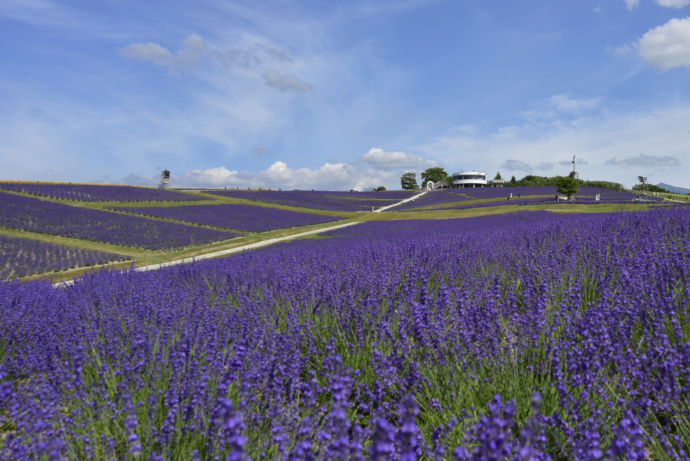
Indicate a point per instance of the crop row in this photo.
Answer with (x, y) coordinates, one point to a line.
(233, 216)
(20, 257)
(96, 193)
(436, 197)
(519, 195)
(529, 335)
(312, 200)
(36, 215)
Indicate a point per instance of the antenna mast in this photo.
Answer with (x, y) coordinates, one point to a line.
(165, 179)
(573, 174)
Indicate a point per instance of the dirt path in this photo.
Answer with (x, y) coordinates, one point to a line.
(216, 254)
(400, 202)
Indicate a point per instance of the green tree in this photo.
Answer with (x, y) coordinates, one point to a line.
(379, 189)
(409, 181)
(649, 188)
(566, 185)
(434, 174)
(512, 181)
(604, 185)
(498, 176)
(532, 180)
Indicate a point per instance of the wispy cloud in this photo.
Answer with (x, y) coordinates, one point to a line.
(285, 82)
(253, 56)
(383, 160)
(594, 139)
(673, 3)
(560, 104)
(516, 165)
(644, 160)
(632, 4)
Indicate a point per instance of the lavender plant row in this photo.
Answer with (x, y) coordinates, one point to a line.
(445, 196)
(516, 201)
(234, 216)
(498, 192)
(380, 195)
(36, 215)
(306, 199)
(20, 257)
(96, 193)
(433, 198)
(533, 200)
(530, 335)
(583, 192)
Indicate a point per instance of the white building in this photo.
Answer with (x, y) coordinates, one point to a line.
(469, 179)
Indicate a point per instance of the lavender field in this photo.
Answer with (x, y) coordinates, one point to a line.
(440, 199)
(528, 335)
(96, 193)
(36, 215)
(20, 257)
(436, 197)
(234, 216)
(343, 201)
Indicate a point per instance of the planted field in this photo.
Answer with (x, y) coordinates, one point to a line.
(36, 215)
(20, 257)
(95, 193)
(503, 192)
(312, 200)
(526, 336)
(436, 197)
(440, 199)
(233, 216)
(380, 195)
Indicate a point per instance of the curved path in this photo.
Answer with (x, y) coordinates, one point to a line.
(216, 254)
(250, 246)
(399, 203)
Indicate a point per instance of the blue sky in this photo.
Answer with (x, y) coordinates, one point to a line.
(342, 94)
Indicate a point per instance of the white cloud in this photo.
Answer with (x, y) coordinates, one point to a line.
(187, 57)
(285, 82)
(673, 3)
(380, 159)
(632, 4)
(330, 176)
(219, 176)
(545, 166)
(667, 46)
(192, 47)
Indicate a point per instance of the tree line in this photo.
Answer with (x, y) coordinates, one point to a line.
(409, 180)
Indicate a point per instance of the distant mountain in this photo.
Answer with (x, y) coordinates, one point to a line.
(674, 189)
